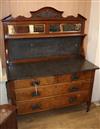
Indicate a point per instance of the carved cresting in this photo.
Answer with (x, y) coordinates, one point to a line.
(46, 12)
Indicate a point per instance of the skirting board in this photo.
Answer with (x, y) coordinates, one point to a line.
(97, 103)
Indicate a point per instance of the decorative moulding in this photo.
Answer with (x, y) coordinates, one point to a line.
(46, 13)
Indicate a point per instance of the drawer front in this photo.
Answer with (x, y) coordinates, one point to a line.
(35, 81)
(75, 77)
(37, 105)
(45, 91)
(42, 81)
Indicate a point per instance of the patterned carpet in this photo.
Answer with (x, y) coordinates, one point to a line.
(62, 119)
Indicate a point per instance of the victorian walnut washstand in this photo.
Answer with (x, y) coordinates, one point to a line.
(46, 65)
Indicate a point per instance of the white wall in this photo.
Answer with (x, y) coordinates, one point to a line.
(93, 48)
(3, 79)
(3, 93)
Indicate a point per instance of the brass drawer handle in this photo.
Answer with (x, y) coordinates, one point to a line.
(36, 106)
(35, 83)
(75, 77)
(35, 94)
(73, 89)
(72, 99)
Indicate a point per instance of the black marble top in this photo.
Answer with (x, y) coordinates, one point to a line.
(48, 68)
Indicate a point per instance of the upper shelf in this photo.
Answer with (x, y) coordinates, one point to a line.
(16, 36)
(45, 22)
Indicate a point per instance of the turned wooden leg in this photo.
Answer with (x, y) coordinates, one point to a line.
(88, 106)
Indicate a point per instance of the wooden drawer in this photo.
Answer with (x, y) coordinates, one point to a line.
(38, 81)
(42, 81)
(51, 90)
(75, 76)
(37, 105)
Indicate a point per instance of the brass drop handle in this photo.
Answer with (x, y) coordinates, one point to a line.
(75, 77)
(72, 99)
(36, 82)
(73, 89)
(36, 106)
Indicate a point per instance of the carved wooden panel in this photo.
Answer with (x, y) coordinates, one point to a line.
(45, 13)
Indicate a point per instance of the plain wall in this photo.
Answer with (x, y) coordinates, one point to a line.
(93, 46)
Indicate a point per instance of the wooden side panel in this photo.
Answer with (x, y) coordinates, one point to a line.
(90, 91)
(11, 92)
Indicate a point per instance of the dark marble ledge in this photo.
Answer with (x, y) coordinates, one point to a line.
(49, 68)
